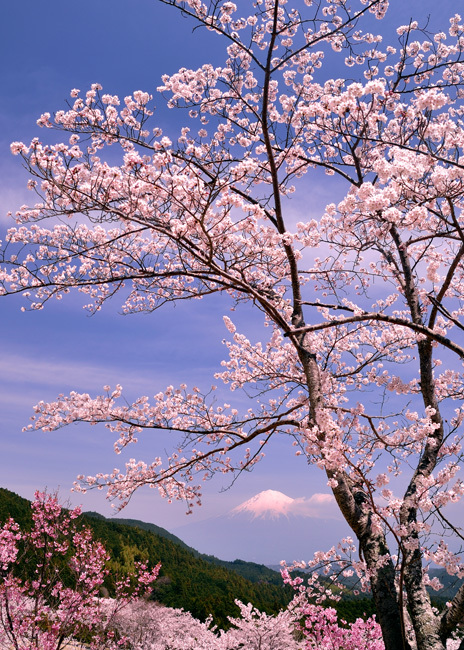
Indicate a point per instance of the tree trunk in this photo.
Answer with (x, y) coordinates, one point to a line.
(452, 617)
(424, 621)
(387, 605)
(354, 505)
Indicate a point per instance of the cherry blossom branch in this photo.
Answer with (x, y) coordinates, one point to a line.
(375, 316)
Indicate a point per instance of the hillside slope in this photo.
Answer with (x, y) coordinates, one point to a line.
(249, 570)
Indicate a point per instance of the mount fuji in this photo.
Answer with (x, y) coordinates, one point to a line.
(269, 504)
(269, 527)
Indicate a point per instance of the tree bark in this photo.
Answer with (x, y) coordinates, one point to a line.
(354, 505)
(424, 621)
(387, 605)
(452, 616)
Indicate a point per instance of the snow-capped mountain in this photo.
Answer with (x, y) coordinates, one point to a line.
(269, 527)
(269, 504)
(272, 504)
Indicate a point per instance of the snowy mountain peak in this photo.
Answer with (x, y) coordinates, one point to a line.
(269, 504)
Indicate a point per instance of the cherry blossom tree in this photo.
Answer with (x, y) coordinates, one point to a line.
(258, 631)
(51, 579)
(151, 626)
(360, 364)
(323, 630)
(320, 624)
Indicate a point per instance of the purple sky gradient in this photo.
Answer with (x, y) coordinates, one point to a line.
(47, 49)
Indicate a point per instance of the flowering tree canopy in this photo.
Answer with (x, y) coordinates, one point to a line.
(51, 580)
(360, 364)
(150, 626)
(258, 631)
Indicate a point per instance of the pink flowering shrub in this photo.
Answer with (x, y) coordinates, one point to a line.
(320, 625)
(51, 580)
(323, 630)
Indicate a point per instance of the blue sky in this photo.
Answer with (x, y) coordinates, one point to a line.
(47, 49)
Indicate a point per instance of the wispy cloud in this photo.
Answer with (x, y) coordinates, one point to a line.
(319, 505)
(26, 370)
(63, 374)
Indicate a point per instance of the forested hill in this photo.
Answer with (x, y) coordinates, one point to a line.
(249, 570)
(200, 585)
(144, 525)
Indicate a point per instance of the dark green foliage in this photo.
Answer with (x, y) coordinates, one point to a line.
(351, 609)
(14, 506)
(249, 570)
(190, 582)
(153, 528)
